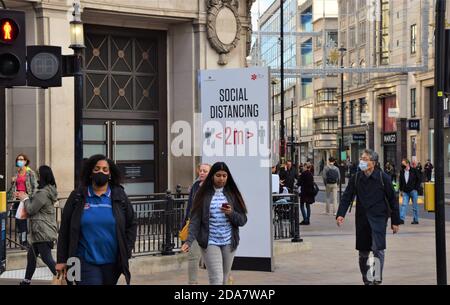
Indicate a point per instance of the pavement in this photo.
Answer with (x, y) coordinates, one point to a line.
(331, 260)
(410, 258)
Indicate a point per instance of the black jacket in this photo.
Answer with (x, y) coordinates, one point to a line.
(414, 181)
(371, 207)
(126, 225)
(199, 225)
(306, 182)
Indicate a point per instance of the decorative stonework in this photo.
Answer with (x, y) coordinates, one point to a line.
(249, 29)
(223, 26)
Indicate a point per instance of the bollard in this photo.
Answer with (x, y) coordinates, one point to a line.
(296, 209)
(429, 201)
(2, 202)
(168, 245)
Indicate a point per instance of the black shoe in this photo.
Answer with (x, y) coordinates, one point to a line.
(402, 222)
(304, 223)
(25, 283)
(377, 282)
(415, 222)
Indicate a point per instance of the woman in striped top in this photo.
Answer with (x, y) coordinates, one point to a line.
(218, 212)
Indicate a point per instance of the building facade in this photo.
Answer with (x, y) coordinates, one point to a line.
(140, 77)
(325, 27)
(388, 111)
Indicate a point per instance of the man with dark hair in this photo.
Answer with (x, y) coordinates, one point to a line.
(331, 177)
(375, 203)
(410, 182)
(291, 174)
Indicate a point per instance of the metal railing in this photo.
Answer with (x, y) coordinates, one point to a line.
(160, 216)
(286, 216)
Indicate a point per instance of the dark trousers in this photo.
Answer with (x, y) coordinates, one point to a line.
(305, 213)
(372, 273)
(91, 274)
(44, 249)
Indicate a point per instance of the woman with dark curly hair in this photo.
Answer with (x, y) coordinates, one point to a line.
(98, 225)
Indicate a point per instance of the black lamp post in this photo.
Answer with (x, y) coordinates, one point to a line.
(273, 82)
(77, 45)
(341, 142)
(292, 130)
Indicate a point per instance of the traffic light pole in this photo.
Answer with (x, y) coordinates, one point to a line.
(441, 264)
(78, 88)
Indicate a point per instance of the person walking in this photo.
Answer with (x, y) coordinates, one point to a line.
(218, 212)
(24, 181)
(321, 166)
(98, 225)
(410, 183)
(307, 197)
(331, 177)
(194, 254)
(375, 203)
(428, 171)
(41, 213)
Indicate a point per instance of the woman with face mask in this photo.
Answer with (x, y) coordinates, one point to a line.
(98, 226)
(43, 228)
(23, 183)
(218, 212)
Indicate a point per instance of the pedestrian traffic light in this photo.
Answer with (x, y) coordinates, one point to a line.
(44, 66)
(12, 48)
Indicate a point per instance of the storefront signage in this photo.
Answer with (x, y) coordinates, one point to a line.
(390, 138)
(414, 124)
(359, 137)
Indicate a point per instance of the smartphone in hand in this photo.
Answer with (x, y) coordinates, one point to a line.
(226, 205)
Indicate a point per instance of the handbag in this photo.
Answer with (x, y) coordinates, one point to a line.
(59, 280)
(21, 213)
(184, 233)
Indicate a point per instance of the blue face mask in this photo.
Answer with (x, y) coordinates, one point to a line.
(363, 165)
(20, 163)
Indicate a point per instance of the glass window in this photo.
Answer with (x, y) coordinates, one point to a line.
(326, 96)
(351, 34)
(352, 112)
(362, 106)
(385, 22)
(413, 39)
(362, 32)
(413, 103)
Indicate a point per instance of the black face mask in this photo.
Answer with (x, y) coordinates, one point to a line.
(100, 179)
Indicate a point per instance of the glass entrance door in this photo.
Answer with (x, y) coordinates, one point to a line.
(131, 145)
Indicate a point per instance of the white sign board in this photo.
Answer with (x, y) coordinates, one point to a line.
(236, 130)
(393, 112)
(365, 117)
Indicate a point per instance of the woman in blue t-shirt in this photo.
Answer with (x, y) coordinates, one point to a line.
(218, 212)
(98, 226)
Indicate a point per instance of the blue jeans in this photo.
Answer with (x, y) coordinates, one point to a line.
(404, 208)
(98, 274)
(306, 214)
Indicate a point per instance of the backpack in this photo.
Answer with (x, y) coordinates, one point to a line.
(332, 176)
